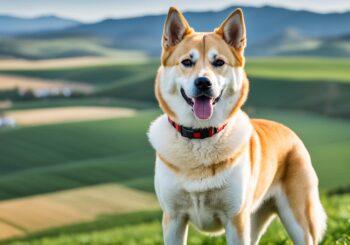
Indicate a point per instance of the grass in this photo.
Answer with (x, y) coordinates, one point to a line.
(48, 158)
(49, 48)
(121, 229)
(97, 75)
(284, 68)
(300, 69)
(45, 211)
(80, 101)
(43, 159)
(309, 84)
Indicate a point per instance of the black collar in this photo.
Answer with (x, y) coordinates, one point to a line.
(192, 133)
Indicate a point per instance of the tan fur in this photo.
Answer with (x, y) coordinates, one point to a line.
(163, 105)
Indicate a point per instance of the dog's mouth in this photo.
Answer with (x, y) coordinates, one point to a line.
(202, 105)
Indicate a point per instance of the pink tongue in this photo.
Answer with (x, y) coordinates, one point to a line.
(203, 107)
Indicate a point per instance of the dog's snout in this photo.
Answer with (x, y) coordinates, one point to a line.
(202, 83)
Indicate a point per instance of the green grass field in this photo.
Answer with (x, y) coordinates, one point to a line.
(309, 84)
(311, 96)
(50, 48)
(300, 69)
(121, 229)
(54, 157)
(296, 69)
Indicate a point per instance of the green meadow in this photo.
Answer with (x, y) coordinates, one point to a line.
(311, 96)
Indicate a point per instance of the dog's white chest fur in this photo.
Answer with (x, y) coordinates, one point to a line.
(207, 202)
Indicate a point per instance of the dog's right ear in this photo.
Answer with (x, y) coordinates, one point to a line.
(175, 28)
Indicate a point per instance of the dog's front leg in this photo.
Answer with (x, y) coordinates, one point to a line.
(174, 229)
(238, 230)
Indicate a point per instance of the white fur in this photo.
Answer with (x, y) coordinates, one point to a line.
(171, 82)
(195, 55)
(187, 153)
(188, 196)
(212, 53)
(286, 214)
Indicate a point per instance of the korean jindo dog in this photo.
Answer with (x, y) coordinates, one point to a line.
(216, 167)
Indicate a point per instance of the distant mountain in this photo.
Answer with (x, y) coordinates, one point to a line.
(270, 31)
(10, 25)
(263, 24)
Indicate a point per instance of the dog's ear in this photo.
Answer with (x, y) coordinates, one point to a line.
(232, 30)
(175, 28)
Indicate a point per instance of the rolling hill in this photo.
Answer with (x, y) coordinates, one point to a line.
(309, 84)
(44, 159)
(144, 33)
(293, 33)
(25, 215)
(11, 25)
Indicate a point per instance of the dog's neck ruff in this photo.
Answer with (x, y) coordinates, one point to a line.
(193, 133)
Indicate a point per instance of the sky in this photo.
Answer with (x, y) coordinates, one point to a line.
(95, 10)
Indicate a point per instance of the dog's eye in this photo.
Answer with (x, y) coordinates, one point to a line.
(218, 63)
(187, 63)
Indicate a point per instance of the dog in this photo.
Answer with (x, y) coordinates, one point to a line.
(215, 167)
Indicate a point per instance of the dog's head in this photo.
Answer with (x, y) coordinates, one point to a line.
(201, 81)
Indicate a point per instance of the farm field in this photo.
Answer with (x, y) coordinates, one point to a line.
(24, 83)
(57, 154)
(39, 212)
(277, 83)
(291, 68)
(66, 114)
(64, 47)
(65, 155)
(300, 69)
(121, 229)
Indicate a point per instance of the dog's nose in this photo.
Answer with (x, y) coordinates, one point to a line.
(202, 83)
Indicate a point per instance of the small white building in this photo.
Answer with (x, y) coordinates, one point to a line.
(7, 122)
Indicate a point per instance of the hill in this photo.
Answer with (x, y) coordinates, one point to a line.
(310, 84)
(11, 25)
(48, 158)
(293, 33)
(25, 215)
(144, 33)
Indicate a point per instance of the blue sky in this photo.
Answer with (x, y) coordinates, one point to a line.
(94, 10)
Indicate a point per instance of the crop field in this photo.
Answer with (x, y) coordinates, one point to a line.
(57, 155)
(300, 69)
(72, 206)
(277, 83)
(121, 229)
(66, 114)
(25, 83)
(296, 69)
(43, 162)
(64, 47)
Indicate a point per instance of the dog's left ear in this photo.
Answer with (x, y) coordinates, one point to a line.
(233, 30)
